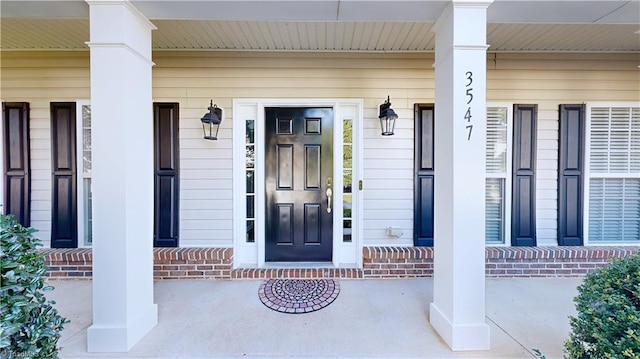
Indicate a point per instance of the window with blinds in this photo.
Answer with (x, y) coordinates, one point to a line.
(496, 180)
(614, 177)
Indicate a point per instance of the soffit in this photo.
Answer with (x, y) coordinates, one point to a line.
(500, 11)
(331, 25)
(71, 34)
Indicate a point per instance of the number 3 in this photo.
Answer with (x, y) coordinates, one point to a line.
(470, 78)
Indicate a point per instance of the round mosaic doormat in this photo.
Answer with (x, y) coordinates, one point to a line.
(296, 296)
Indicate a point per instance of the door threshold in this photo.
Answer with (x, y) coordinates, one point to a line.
(298, 270)
(296, 265)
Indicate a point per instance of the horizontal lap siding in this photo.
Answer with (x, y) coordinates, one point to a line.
(193, 78)
(40, 78)
(549, 80)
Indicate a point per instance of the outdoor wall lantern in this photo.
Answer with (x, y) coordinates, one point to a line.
(211, 122)
(387, 118)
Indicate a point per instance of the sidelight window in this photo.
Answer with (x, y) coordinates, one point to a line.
(250, 170)
(347, 179)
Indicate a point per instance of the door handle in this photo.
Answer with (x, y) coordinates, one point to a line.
(329, 193)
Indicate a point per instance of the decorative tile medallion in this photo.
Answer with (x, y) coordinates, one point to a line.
(296, 296)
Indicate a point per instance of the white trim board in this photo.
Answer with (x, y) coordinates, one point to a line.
(2, 171)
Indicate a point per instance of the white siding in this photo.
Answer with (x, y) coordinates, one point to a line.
(193, 78)
(549, 80)
(41, 78)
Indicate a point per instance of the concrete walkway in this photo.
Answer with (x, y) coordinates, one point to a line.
(369, 319)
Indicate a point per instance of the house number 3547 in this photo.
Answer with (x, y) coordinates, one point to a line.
(467, 115)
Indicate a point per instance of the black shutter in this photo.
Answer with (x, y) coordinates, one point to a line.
(523, 212)
(423, 176)
(166, 168)
(64, 210)
(570, 170)
(17, 167)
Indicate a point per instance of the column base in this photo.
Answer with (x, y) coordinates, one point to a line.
(115, 339)
(460, 336)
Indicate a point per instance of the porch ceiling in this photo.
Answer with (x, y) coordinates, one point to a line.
(332, 25)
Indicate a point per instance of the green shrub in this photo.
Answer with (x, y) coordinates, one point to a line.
(29, 324)
(608, 305)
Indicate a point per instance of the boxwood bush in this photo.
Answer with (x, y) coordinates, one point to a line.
(608, 305)
(29, 324)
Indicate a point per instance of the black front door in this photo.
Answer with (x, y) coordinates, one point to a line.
(299, 184)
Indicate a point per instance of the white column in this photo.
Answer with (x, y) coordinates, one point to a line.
(122, 178)
(458, 309)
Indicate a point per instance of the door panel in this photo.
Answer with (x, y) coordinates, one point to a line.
(284, 157)
(423, 176)
(64, 211)
(312, 167)
(312, 229)
(570, 171)
(166, 173)
(285, 223)
(298, 175)
(523, 219)
(17, 167)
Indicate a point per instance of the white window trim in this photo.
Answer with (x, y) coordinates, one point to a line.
(508, 177)
(252, 255)
(80, 174)
(2, 209)
(587, 171)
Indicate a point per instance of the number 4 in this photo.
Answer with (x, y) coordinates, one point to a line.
(468, 114)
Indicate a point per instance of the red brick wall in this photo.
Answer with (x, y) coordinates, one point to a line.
(394, 262)
(72, 263)
(192, 263)
(550, 261)
(397, 262)
(378, 262)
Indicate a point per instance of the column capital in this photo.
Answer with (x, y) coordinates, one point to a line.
(474, 3)
(133, 31)
(134, 10)
(462, 25)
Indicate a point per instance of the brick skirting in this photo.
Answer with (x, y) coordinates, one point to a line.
(407, 262)
(378, 262)
(397, 262)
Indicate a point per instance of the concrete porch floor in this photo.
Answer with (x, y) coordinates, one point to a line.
(369, 319)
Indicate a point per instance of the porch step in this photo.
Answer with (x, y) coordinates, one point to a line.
(265, 273)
